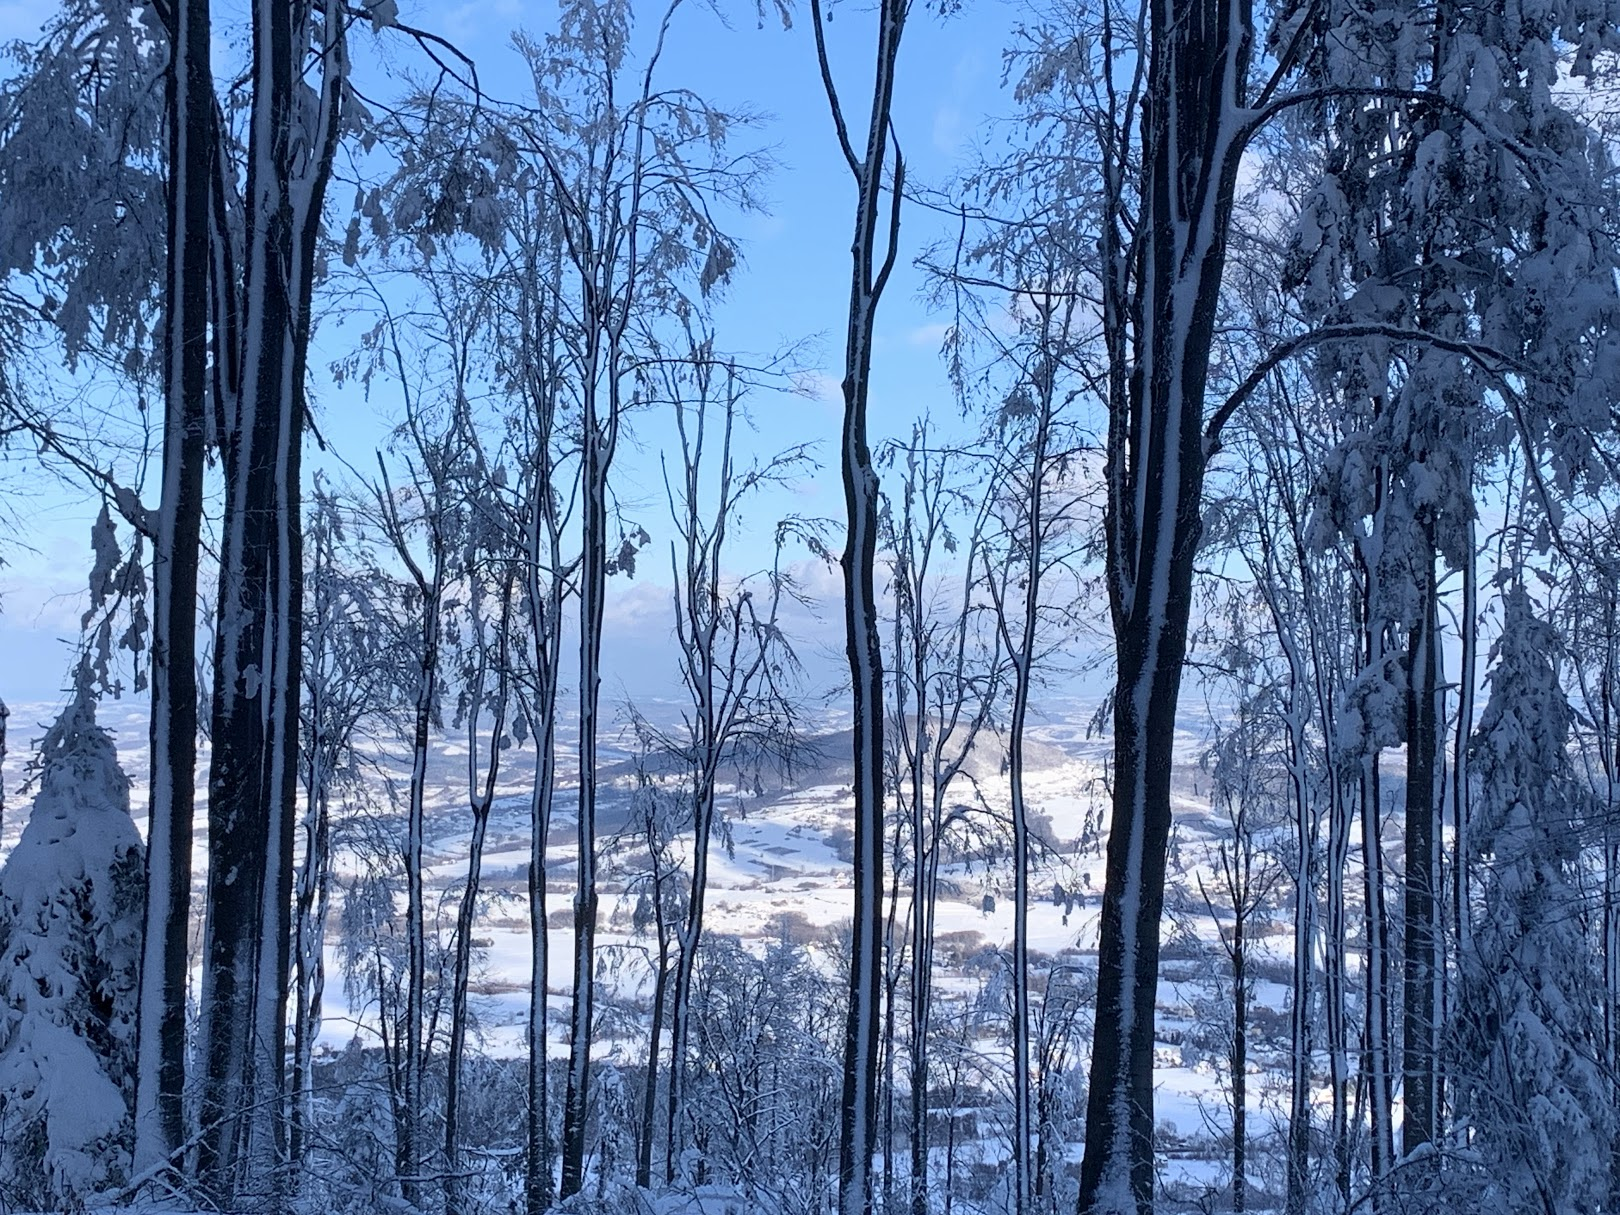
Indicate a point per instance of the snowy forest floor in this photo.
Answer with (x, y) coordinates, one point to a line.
(785, 870)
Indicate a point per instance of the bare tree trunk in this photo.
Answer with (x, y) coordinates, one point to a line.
(548, 650)
(465, 919)
(1468, 639)
(537, 1135)
(410, 1045)
(161, 1019)
(872, 262)
(1240, 1051)
(1299, 1087)
(1420, 1122)
(649, 1094)
(258, 650)
(681, 1004)
(894, 952)
(1376, 1052)
(545, 586)
(1022, 1137)
(597, 456)
(1156, 448)
(309, 985)
(481, 799)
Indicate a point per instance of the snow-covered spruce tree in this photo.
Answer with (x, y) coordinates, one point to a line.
(1588, 616)
(70, 927)
(1529, 1027)
(1430, 117)
(83, 217)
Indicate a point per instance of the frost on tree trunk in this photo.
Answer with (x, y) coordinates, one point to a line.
(70, 925)
(871, 263)
(597, 459)
(1420, 1095)
(544, 588)
(1156, 454)
(161, 1035)
(254, 770)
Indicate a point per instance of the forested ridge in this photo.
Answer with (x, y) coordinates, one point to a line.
(1174, 766)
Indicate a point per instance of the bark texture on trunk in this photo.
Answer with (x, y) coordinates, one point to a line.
(258, 648)
(872, 258)
(597, 457)
(161, 1019)
(1420, 1094)
(1166, 289)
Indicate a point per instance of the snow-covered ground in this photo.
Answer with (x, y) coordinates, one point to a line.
(787, 861)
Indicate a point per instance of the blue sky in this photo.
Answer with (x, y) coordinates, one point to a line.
(793, 285)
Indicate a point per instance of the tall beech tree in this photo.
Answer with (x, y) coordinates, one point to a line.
(735, 660)
(873, 251)
(192, 159)
(947, 671)
(253, 775)
(631, 171)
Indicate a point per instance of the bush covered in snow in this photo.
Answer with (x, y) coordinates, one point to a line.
(70, 917)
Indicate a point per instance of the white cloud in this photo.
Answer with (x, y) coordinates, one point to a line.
(820, 386)
(952, 126)
(465, 22)
(931, 336)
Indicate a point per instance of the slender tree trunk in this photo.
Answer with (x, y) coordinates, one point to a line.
(548, 649)
(1376, 1052)
(1420, 1122)
(537, 1138)
(894, 954)
(1324, 640)
(161, 1018)
(313, 893)
(922, 964)
(925, 862)
(407, 1158)
(691, 933)
(649, 1095)
(481, 800)
(593, 579)
(1338, 1039)
(545, 583)
(1240, 1051)
(454, 1183)
(870, 267)
(1299, 1087)
(1468, 638)
(1023, 1134)
(1022, 649)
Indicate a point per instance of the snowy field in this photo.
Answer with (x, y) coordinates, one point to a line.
(785, 866)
